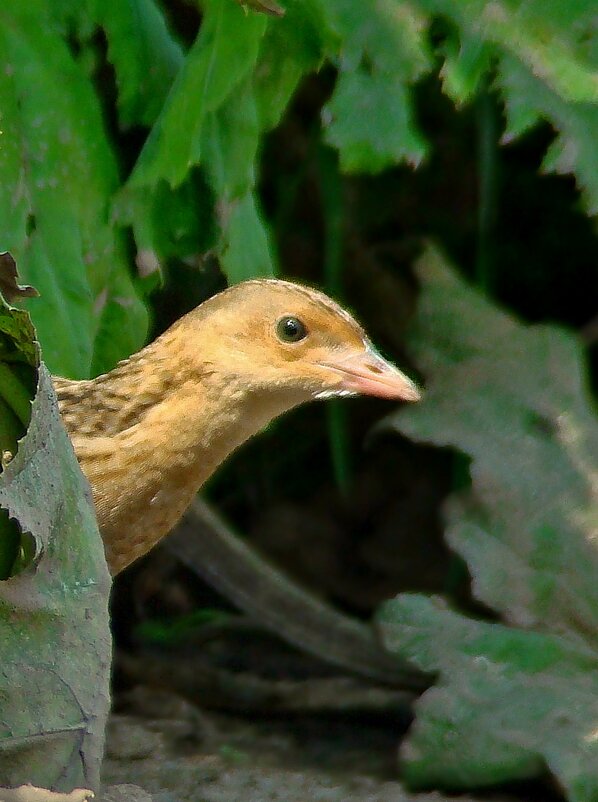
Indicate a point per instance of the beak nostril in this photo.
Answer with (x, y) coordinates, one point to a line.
(370, 374)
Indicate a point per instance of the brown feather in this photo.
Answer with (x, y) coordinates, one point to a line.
(149, 433)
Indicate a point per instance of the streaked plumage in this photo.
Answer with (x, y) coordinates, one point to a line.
(149, 433)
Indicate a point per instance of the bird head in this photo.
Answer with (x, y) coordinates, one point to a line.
(274, 335)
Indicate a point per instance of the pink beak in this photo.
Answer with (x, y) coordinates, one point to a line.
(367, 373)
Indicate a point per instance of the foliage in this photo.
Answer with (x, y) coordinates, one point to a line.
(509, 698)
(58, 172)
(125, 148)
(18, 377)
(54, 583)
(210, 107)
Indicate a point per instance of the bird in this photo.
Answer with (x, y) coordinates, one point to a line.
(150, 432)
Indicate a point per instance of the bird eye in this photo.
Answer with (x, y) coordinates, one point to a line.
(290, 329)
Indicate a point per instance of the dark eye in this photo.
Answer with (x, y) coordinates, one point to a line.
(290, 329)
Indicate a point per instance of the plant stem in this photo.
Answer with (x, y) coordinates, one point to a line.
(15, 394)
(11, 429)
(487, 163)
(331, 193)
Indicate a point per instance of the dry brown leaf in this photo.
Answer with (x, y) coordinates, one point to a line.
(31, 793)
(9, 287)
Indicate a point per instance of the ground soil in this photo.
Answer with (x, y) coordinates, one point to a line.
(177, 753)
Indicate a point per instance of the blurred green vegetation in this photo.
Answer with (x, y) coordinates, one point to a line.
(152, 151)
(136, 140)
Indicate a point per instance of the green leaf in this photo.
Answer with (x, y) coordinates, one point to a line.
(547, 37)
(513, 398)
(18, 361)
(574, 150)
(145, 55)
(57, 176)
(236, 82)
(230, 139)
(369, 120)
(17, 343)
(54, 611)
(382, 52)
(467, 62)
(546, 57)
(290, 48)
(121, 322)
(223, 55)
(170, 223)
(507, 703)
(211, 118)
(390, 36)
(246, 249)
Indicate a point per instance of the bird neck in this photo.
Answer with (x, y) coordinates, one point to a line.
(198, 408)
(150, 433)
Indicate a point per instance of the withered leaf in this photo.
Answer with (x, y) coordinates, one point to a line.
(9, 286)
(31, 793)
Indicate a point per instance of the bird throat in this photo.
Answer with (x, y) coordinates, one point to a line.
(147, 445)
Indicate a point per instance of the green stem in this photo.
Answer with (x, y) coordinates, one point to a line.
(339, 445)
(11, 429)
(15, 394)
(331, 192)
(487, 165)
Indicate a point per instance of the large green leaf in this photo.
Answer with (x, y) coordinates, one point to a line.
(527, 99)
(290, 48)
(507, 705)
(168, 222)
(57, 176)
(546, 60)
(514, 399)
(229, 143)
(370, 121)
(210, 118)
(145, 55)
(549, 38)
(243, 69)
(54, 606)
(382, 52)
(247, 251)
(223, 55)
